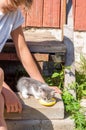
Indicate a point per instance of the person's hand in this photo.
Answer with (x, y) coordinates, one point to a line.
(12, 102)
(56, 89)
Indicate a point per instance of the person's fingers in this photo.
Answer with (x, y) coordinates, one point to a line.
(8, 108)
(14, 108)
(57, 90)
(19, 107)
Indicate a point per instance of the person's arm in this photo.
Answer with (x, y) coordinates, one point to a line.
(24, 54)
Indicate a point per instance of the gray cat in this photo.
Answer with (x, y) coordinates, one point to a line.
(28, 86)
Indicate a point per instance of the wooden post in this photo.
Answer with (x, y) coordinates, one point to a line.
(63, 15)
(69, 77)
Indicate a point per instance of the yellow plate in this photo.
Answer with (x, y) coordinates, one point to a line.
(49, 103)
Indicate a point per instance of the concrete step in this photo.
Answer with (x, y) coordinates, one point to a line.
(38, 117)
(33, 110)
(63, 124)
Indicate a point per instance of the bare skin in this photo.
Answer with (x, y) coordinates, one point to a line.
(2, 121)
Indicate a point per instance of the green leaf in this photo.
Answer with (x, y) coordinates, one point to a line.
(84, 92)
(55, 75)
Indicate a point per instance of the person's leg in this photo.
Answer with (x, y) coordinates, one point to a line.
(1, 78)
(2, 121)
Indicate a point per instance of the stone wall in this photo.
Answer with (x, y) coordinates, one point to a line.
(79, 46)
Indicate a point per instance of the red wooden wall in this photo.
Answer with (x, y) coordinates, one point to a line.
(51, 13)
(48, 13)
(79, 14)
(44, 13)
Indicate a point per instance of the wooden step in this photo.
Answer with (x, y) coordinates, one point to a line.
(39, 47)
(41, 44)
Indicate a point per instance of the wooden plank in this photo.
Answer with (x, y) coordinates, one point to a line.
(41, 57)
(13, 57)
(51, 13)
(80, 15)
(74, 5)
(34, 15)
(47, 47)
(8, 56)
(63, 16)
(40, 47)
(63, 13)
(36, 35)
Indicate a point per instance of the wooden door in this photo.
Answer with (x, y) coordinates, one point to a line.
(44, 13)
(79, 14)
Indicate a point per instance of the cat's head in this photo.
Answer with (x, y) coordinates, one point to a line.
(46, 93)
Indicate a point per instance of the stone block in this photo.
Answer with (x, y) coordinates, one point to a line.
(32, 109)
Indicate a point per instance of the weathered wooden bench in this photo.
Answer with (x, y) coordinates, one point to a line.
(42, 51)
(56, 48)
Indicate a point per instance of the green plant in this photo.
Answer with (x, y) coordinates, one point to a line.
(80, 89)
(83, 64)
(79, 120)
(56, 79)
(72, 105)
